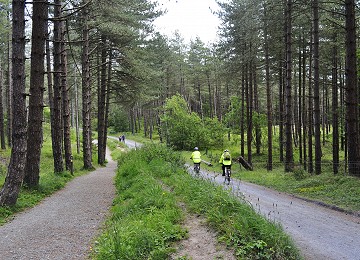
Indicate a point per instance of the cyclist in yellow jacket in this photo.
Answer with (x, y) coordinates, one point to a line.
(225, 160)
(196, 157)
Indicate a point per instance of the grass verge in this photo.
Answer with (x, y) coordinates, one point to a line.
(146, 219)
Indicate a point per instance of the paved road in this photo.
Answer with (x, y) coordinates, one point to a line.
(319, 232)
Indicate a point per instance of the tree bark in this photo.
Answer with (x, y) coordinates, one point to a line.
(2, 123)
(36, 99)
(335, 118)
(10, 190)
(9, 91)
(317, 89)
(269, 165)
(289, 160)
(101, 103)
(65, 101)
(58, 133)
(86, 92)
(352, 99)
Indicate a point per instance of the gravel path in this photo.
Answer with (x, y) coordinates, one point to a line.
(319, 232)
(63, 225)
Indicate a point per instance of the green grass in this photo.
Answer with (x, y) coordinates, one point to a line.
(150, 183)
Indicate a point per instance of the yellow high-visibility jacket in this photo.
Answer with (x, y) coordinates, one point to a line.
(223, 161)
(196, 157)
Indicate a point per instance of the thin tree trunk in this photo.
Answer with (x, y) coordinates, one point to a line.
(57, 143)
(242, 118)
(281, 112)
(269, 165)
(107, 101)
(65, 102)
(317, 89)
(310, 113)
(249, 110)
(77, 130)
(289, 160)
(299, 123)
(304, 113)
(335, 119)
(86, 92)
(101, 102)
(2, 125)
(9, 90)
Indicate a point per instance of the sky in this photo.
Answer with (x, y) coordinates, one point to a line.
(191, 18)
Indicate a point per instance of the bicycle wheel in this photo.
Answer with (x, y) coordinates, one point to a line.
(227, 175)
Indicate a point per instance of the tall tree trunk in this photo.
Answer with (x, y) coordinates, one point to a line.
(242, 118)
(249, 110)
(10, 190)
(57, 143)
(352, 118)
(335, 118)
(9, 90)
(257, 110)
(86, 92)
(299, 123)
(101, 103)
(50, 90)
(281, 111)
(310, 113)
(2, 125)
(304, 112)
(269, 165)
(289, 160)
(36, 99)
(65, 101)
(77, 128)
(210, 94)
(107, 101)
(317, 89)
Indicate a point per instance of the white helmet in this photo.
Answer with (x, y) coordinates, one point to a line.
(196, 149)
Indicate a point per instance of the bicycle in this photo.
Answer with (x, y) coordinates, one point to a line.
(197, 168)
(227, 175)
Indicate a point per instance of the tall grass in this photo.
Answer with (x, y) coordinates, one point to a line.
(146, 217)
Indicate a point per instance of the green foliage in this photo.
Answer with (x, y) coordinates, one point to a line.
(184, 130)
(118, 120)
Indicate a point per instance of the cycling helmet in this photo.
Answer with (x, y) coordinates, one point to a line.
(226, 150)
(196, 149)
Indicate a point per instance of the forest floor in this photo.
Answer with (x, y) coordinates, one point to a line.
(64, 225)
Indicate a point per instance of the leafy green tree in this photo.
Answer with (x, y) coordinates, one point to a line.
(184, 129)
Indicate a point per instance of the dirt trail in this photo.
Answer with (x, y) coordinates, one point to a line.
(319, 232)
(63, 225)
